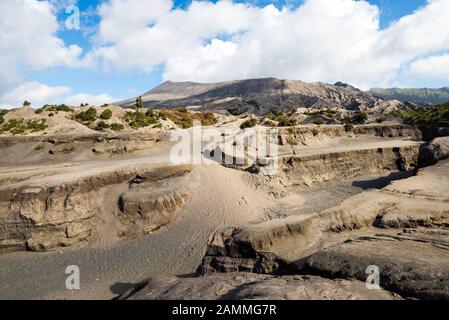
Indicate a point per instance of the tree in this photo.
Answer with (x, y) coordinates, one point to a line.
(26, 103)
(139, 103)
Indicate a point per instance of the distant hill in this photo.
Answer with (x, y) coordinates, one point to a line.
(259, 96)
(422, 96)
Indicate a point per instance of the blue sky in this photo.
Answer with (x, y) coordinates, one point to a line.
(115, 80)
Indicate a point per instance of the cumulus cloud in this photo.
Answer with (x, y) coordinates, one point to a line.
(325, 40)
(29, 42)
(35, 92)
(435, 67)
(95, 100)
(39, 94)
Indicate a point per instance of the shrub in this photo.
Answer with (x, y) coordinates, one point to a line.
(318, 122)
(51, 114)
(57, 108)
(106, 114)
(360, 117)
(184, 119)
(292, 130)
(37, 125)
(349, 127)
(87, 116)
(315, 132)
(39, 111)
(432, 116)
(102, 126)
(26, 103)
(248, 123)
(39, 147)
(117, 127)
(380, 120)
(139, 119)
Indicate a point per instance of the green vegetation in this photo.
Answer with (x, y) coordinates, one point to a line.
(349, 127)
(248, 123)
(117, 127)
(358, 118)
(39, 147)
(140, 119)
(39, 111)
(139, 103)
(102, 126)
(437, 116)
(51, 114)
(106, 114)
(318, 122)
(26, 103)
(292, 130)
(315, 132)
(184, 119)
(19, 126)
(57, 108)
(282, 118)
(323, 112)
(2, 114)
(87, 116)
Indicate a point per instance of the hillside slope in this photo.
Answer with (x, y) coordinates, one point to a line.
(259, 96)
(422, 96)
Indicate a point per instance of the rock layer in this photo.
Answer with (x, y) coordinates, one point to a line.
(246, 286)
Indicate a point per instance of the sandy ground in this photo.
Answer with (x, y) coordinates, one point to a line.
(223, 197)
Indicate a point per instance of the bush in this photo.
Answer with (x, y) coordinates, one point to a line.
(26, 103)
(318, 122)
(421, 118)
(18, 126)
(349, 127)
(380, 120)
(292, 130)
(37, 125)
(106, 114)
(248, 123)
(360, 117)
(102, 126)
(315, 132)
(87, 116)
(39, 111)
(57, 108)
(117, 127)
(39, 147)
(282, 119)
(184, 119)
(51, 114)
(139, 119)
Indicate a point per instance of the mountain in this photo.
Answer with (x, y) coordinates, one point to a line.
(259, 96)
(422, 96)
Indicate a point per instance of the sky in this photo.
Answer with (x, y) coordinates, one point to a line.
(117, 49)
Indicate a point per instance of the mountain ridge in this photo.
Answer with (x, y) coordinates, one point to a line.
(418, 96)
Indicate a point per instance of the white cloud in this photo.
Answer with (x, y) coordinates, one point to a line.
(321, 40)
(35, 92)
(95, 100)
(435, 67)
(28, 40)
(39, 94)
